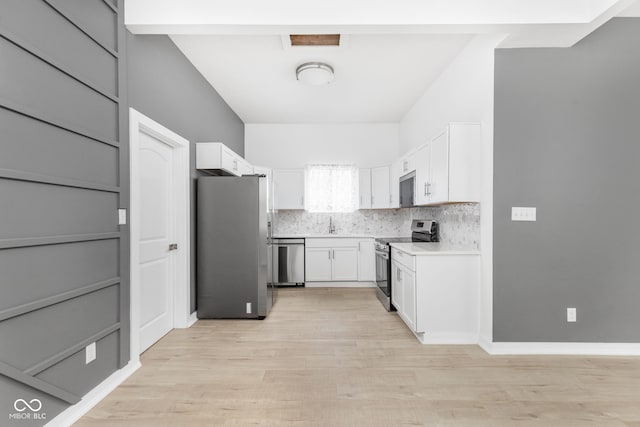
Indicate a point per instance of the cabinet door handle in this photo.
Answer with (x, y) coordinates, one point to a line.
(389, 198)
(359, 248)
(371, 200)
(329, 253)
(302, 200)
(360, 200)
(333, 254)
(425, 188)
(428, 188)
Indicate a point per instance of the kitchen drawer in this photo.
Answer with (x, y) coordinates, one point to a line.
(332, 242)
(404, 258)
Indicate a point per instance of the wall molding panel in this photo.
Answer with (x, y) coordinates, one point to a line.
(63, 255)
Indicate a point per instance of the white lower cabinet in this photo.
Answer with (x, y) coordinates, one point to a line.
(318, 265)
(366, 261)
(404, 293)
(344, 264)
(437, 295)
(339, 260)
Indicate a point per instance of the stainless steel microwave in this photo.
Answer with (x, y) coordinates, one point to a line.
(407, 189)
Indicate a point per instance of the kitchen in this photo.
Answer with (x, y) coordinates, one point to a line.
(340, 252)
(557, 121)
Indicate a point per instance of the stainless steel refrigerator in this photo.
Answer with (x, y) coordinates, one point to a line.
(234, 266)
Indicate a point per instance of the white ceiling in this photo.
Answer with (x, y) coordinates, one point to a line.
(377, 77)
(395, 50)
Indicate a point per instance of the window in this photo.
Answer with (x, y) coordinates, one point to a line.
(331, 188)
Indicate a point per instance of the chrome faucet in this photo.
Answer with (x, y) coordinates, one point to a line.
(332, 227)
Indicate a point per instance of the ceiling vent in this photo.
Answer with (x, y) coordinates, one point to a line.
(315, 39)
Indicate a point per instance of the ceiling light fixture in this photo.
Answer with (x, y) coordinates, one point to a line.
(314, 73)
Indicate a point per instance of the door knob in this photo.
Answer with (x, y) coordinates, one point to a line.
(173, 247)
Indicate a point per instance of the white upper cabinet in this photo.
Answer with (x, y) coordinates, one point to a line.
(448, 167)
(228, 160)
(365, 189)
(422, 159)
(288, 189)
(407, 164)
(215, 156)
(244, 167)
(394, 184)
(380, 187)
(438, 185)
(455, 164)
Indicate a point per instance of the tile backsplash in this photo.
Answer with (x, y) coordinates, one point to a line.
(459, 223)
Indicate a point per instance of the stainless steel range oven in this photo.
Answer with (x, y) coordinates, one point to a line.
(421, 231)
(383, 273)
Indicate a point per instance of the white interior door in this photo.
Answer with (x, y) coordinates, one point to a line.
(157, 231)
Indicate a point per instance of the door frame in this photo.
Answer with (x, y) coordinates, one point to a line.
(138, 123)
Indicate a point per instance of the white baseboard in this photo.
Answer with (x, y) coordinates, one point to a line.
(339, 285)
(563, 348)
(192, 319)
(91, 399)
(485, 343)
(447, 338)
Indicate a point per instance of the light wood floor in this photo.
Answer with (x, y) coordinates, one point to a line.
(334, 357)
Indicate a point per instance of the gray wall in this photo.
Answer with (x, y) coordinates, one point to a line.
(63, 258)
(166, 87)
(567, 141)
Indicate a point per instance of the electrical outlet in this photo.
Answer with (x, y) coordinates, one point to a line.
(571, 314)
(523, 214)
(248, 308)
(90, 353)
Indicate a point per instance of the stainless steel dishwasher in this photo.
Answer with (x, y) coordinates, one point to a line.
(288, 261)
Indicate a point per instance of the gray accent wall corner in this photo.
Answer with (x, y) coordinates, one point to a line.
(567, 132)
(166, 87)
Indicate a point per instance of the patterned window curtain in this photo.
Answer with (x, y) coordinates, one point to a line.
(331, 188)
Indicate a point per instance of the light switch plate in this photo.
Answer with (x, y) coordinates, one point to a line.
(523, 214)
(248, 308)
(90, 353)
(122, 216)
(571, 314)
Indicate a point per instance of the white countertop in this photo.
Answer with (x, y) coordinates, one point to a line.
(421, 249)
(323, 236)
